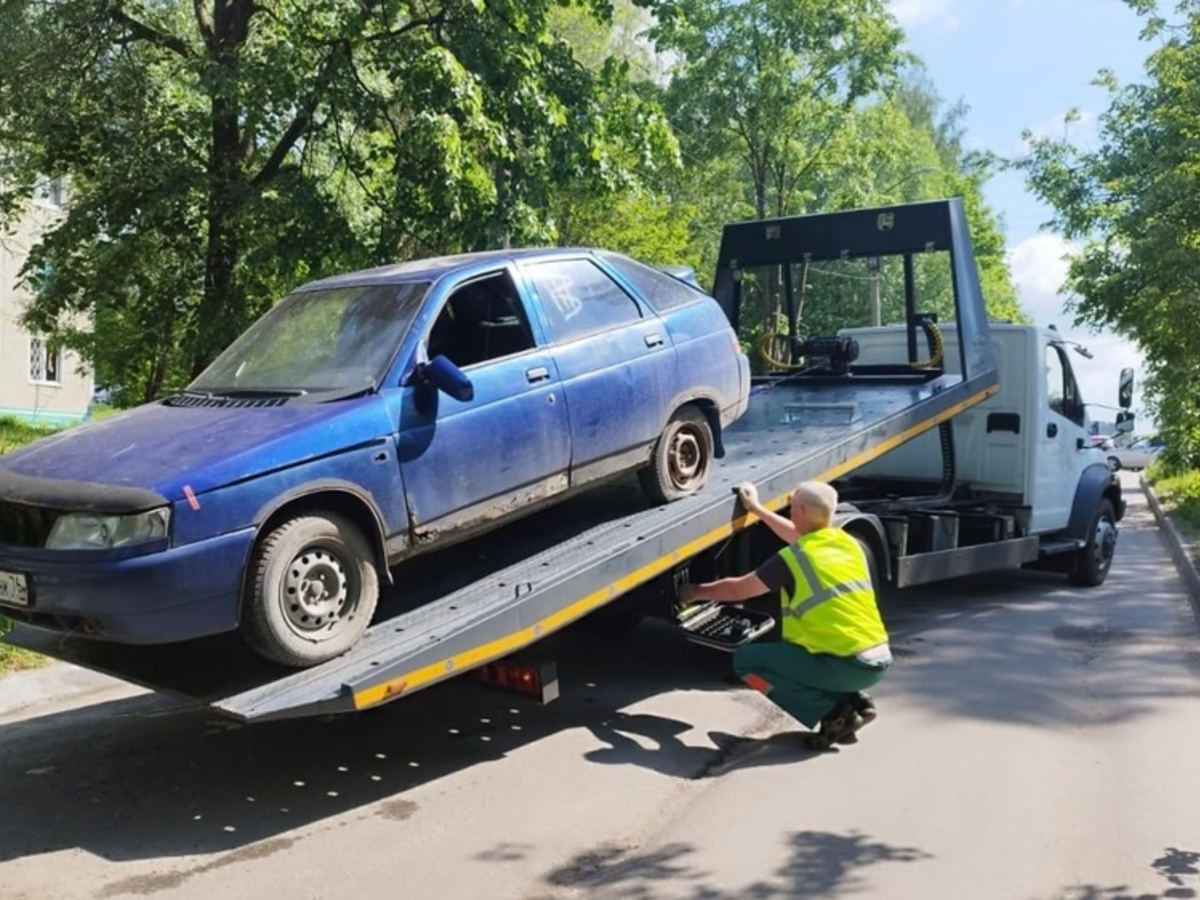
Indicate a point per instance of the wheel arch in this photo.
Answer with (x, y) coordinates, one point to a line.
(1096, 483)
(712, 413)
(344, 499)
(868, 529)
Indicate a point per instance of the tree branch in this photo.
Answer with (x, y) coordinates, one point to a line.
(143, 32)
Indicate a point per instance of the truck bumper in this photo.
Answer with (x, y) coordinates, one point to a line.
(171, 595)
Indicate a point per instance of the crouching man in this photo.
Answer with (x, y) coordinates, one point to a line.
(834, 643)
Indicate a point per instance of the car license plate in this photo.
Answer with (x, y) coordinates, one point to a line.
(13, 589)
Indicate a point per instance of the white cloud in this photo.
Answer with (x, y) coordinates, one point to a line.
(921, 13)
(1039, 268)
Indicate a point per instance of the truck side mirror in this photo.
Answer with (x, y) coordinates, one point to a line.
(1125, 390)
(1124, 422)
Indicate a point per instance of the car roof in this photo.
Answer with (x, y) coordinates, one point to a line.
(436, 267)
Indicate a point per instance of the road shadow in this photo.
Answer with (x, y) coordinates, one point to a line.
(148, 776)
(817, 864)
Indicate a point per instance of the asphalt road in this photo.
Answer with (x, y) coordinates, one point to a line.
(1034, 741)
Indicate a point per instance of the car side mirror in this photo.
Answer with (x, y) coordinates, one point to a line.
(449, 379)
(1124, 422)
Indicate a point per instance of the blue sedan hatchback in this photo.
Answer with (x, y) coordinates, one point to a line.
(364, 419)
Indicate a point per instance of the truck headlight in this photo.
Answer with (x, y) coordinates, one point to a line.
(87, 531)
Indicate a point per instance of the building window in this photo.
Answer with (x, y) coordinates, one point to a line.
(45, 361)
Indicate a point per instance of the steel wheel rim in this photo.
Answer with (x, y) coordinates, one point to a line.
(315, 592)
(685, 457)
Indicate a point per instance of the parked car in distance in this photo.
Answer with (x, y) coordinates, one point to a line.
(364, 419)
(1137, 455)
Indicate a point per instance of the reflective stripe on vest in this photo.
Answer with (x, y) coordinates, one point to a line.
(810, 618)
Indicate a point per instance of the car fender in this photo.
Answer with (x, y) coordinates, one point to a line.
(1096, 482)
(365, 512)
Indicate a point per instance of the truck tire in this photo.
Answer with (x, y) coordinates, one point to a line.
(683, 457)
(313, 590)
(1094, 559)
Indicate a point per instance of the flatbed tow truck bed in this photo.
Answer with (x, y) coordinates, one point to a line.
(548, 570)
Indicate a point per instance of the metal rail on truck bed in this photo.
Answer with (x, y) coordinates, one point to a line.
(543, 572)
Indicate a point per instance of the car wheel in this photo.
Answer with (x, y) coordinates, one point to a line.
(1094, 559)
(1114, 464)
(313, 591)
(682, 457)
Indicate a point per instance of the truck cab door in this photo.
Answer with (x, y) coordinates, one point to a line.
(1057, 456)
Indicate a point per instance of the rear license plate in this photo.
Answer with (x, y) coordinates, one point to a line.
(14, 590)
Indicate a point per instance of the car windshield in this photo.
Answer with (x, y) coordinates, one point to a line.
(332, 339)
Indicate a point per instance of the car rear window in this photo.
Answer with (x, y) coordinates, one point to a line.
(662, 291)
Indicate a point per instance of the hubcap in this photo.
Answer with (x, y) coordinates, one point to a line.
(315, 591)
(686, 457)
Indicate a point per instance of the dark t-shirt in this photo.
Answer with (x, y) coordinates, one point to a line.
(776, 575)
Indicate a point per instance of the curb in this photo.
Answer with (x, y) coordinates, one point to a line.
(1176, 545)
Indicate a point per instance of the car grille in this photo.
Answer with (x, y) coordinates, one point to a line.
(25, 526)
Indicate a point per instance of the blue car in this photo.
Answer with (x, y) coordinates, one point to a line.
(362, 420)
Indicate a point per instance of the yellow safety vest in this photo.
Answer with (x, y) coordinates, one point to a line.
(832, 608)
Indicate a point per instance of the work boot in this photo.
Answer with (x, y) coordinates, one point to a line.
(837, 727)
(864, 714)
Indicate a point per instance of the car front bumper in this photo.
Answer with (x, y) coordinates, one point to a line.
(155, 598)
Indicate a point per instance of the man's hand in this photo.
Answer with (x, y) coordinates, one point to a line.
(747, 493)
(686, 594)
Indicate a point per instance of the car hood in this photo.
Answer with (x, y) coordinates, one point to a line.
(163, 449)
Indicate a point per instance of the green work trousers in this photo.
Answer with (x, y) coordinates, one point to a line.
(806, 686)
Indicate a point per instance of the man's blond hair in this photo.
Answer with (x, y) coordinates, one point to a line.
(818, 499)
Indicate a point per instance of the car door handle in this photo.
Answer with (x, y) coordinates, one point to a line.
(1052, 430)
(654, 339)
(540, 373)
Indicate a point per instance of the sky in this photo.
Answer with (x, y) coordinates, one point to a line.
(1023, 64)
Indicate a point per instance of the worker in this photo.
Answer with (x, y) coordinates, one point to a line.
(834, 643)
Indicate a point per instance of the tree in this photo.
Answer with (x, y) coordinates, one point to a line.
(774, 81)
(1133, 206)
(220, 152)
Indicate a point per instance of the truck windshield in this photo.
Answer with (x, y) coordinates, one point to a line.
(332, 339)
(792, 312)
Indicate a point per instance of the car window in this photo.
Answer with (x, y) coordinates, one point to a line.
(580, 299)
(325, 339)
(481, 320)
(660, 290)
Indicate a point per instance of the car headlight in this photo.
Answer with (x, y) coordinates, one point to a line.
(87, 531)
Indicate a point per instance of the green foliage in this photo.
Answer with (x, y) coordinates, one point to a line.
(1180, 493)
(1133, 204)
(219, 153)
(774, 83)
(15, 433)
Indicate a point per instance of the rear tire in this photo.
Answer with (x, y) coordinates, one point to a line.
(312, 593)
(1094, 560)
(683, 457)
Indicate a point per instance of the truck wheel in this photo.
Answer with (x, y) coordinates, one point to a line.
(1114, 464)
(1093, 560)
(313, 591)
(682, 457)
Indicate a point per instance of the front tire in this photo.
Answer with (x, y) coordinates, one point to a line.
(1094, 559)
(683, 457)
(312, 593)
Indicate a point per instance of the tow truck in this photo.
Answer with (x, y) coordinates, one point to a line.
(957, 446)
